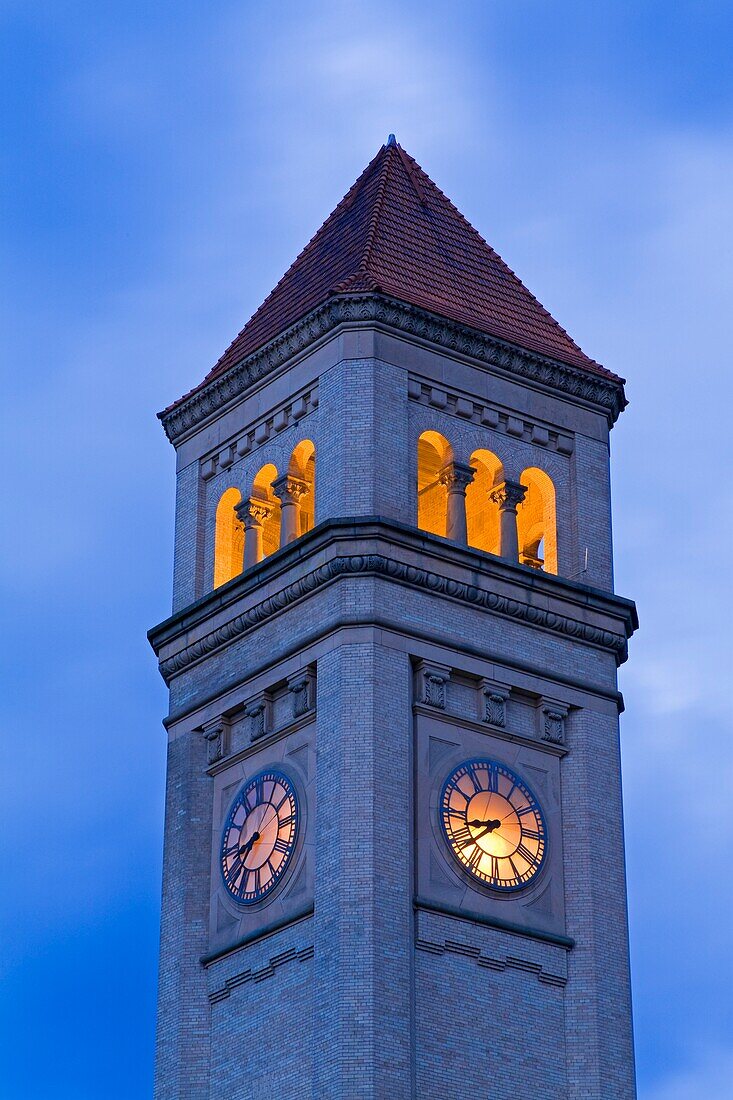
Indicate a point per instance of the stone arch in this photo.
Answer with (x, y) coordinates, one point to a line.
(303, 467)
(482, 513)
(262, 493)
(228, 538)
(433, 451)
(537, 521)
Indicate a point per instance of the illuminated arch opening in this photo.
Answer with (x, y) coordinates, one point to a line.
(536, 521)
(262, 490)
(228, 538)
(482, 515)
(303, 466)
(433, 450)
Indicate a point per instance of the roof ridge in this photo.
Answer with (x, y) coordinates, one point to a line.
(342, 205)
(493, 251)
(406, 158)
(378, 204)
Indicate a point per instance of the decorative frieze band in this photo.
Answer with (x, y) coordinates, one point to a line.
(598, 388)
(508, 962)
(260, 974)
(415, 577)
(477, 412)
(258, 433)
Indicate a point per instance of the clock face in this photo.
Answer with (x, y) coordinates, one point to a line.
(493, 824)
(259, 837)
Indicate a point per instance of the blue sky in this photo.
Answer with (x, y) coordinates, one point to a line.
(161, 166)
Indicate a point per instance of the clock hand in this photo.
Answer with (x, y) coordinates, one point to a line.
(489, 826)
(246, 848)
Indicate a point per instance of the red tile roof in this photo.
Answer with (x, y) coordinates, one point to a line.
(396, 233)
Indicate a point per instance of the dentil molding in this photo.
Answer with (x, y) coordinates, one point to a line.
(598, 389)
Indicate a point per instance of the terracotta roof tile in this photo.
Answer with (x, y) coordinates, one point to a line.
(397, 233)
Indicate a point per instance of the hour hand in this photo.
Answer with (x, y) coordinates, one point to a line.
(246, 848)
(489, 826)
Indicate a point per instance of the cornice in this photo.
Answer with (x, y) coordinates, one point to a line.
(606, 393)
(393, 538)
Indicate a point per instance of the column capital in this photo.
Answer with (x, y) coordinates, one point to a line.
(456, 476)
(252, 512)
(508, 495)
(289, 488)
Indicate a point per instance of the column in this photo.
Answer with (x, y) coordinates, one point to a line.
(456, 477)
(252, 513)
(508, 496)
(289, 490)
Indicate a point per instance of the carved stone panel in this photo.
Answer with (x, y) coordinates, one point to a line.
(442, 743)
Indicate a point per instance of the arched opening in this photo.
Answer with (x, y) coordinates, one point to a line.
(433, 451)
(303, 466)
(536, 521)
(228, 538)
(262, 491)
(482, 514)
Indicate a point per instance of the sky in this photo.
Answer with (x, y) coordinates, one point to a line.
(162, 164)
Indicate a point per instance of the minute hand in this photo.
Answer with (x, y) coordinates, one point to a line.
(488, 826)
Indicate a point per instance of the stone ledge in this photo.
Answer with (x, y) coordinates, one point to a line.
(383, 548)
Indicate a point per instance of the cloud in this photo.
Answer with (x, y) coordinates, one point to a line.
(710, 1078)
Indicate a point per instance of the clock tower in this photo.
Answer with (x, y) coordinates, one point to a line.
(394, 860)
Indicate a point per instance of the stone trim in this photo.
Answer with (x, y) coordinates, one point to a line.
(391, 569)
(281, 417)
(477, 411)
(584, 385)
(453, 719)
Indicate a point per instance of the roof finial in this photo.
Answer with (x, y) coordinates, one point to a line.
(391, 140)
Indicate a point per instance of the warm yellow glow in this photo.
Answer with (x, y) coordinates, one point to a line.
(262, 490)
(303, 466)
(536, 521)
(228, 538)
(493, 825)
(482, 514)
(433, 450)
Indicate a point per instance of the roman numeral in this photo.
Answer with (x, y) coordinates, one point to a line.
(235, 871)
(472, 776)
(463, 837)
(475, 858)
(259, 791)
(531, 833)
(495, 869)
(281, 845)
(525, 854)
(493, 780)
(286, 821)
(524, 810)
